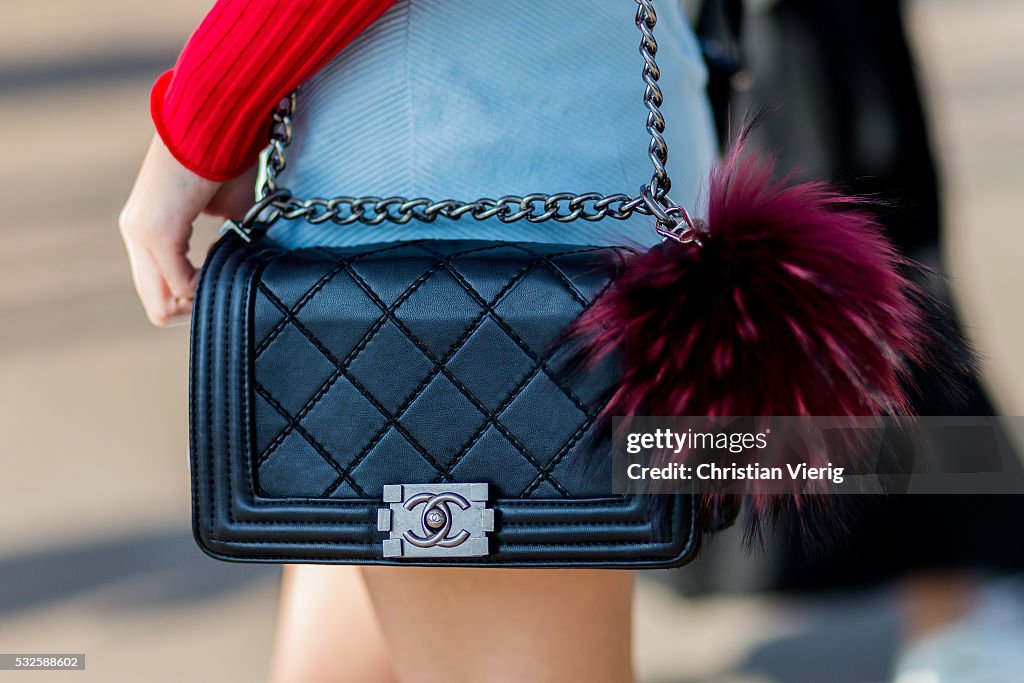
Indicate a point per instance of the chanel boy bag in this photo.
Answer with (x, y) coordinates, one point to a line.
(415, 402)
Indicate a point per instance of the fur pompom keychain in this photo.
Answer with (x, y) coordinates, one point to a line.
(788, 301)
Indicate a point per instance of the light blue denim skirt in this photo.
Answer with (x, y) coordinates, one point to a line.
(482, 98)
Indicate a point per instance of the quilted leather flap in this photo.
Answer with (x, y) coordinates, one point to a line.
(427, 361)
(319, 376)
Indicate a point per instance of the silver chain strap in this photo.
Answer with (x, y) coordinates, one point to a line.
(672, 221)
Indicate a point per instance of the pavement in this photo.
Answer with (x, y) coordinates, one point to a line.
(95, 548)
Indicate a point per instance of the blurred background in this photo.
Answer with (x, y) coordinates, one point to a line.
(96, 554)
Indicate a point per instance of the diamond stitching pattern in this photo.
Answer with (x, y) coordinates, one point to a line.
(489, 381)
(404, 334)
(419, 313)
(442, 399)
(391, 367)
(542, 418)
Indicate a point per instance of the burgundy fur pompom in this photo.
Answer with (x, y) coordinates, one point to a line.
(793, 304)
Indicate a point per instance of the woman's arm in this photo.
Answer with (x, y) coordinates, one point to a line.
(211, 114)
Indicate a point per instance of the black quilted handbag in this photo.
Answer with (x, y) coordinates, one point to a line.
(409, 402)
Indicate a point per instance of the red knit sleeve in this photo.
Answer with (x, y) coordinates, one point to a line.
(212, 108)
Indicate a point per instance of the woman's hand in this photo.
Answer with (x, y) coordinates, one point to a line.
(156, 225)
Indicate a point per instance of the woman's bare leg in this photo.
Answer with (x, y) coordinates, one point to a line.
(505, 625)
(327, 631)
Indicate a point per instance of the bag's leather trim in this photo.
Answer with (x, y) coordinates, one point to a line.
(232, 522)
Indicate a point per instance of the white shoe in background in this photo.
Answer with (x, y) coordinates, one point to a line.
(986, 645)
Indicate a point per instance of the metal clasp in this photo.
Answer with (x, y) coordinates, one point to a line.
(435, 520)
(672, 221)
(251, 227)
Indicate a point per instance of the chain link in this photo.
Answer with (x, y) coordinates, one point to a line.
(535, 208)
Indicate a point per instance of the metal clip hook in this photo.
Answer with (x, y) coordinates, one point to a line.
(246, 228)
(672, 221)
